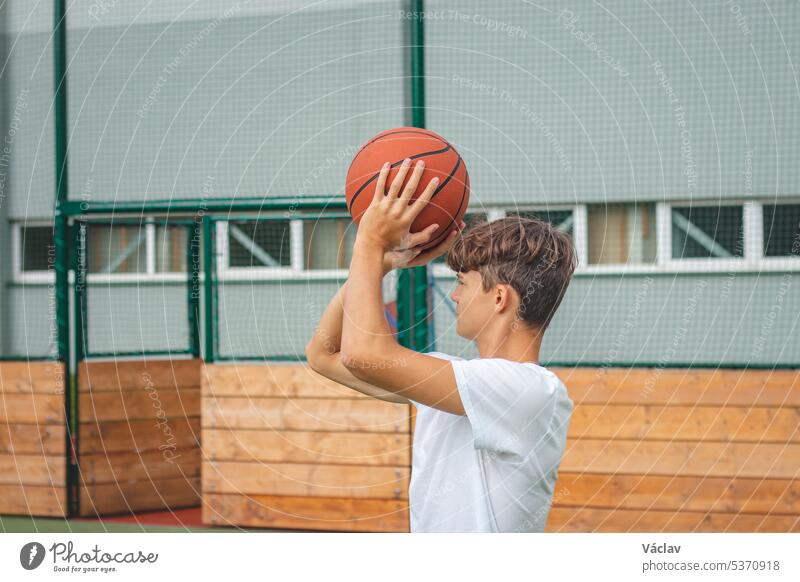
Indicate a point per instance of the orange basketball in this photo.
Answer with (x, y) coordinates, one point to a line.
(449, 201)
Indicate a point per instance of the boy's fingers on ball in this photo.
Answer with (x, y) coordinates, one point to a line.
(397, 183)
(380, 186)
(424, 235)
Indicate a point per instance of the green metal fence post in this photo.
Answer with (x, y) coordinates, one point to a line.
(208, 289)
(78, 264)
(61, 244)
(412, 287)
(193, 291)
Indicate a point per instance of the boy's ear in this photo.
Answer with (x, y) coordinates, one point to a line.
(503, 297)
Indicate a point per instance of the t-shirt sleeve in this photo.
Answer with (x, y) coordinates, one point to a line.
(442, 356)
(509, 405)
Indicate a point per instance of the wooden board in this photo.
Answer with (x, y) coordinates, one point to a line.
(305, 414)
(306, 513)
(333, 448)
(276, 380)
(146, 466)
(645, 492)
(307, 480)
(687, 458)
(701, 423)
(138, 435)
(32, 470)
(167, 402)
(134, 374)
(681, 386)
(32, 408)
(33, 439)
(114, 498)
(31, 377)
(33, 500)
(567, 519)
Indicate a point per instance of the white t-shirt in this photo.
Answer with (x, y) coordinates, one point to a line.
(517, 420)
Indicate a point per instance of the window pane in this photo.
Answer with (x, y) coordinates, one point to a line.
(707, 232)
(781, 230)
(116, 249)
(621, 233)
(329, 243)
(561, 219)
(171, 249)
(37, 248)
(263, 243)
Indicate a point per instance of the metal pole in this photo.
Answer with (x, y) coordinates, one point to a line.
(61, 243)
(412, 291)
(193, 298)
(217, 205)
(208, 289)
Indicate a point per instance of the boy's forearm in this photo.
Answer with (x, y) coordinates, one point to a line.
(366, 326)
(328, 335)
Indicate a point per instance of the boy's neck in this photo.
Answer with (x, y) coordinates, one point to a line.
(521, 345)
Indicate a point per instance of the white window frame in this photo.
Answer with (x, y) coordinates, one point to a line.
(706, 263)
(297, 251)
(17, 274)
(782, 262)
(48, 277)
(753, 260)
(753, 250)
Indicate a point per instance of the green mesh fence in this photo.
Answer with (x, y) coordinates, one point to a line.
(27, 300)
(663, 154)
(626, 128)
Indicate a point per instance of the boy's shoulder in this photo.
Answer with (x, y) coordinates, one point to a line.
(496, 361)
(513, 372)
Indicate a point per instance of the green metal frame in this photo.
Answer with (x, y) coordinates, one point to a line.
(62, 259)
(79, 261)
(209, 290)
(193, 288)
(413, 285)
(200, 207)
(211, 282)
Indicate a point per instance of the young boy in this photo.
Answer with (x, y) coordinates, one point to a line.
(490, 432)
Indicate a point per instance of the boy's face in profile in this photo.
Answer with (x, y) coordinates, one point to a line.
(474, 306)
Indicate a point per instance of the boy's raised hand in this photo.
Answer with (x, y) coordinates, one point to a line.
(387, 220)
(410, 255)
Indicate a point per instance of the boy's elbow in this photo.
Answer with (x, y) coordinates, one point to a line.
(357, 362)
(315, 362)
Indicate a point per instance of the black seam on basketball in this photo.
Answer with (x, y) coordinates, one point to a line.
(394, 165)
(445, 232)
(423, 132)
(452, 173)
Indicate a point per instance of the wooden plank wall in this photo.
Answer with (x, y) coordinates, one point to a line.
(139, 435)
(32, 439)
(287, 448)
(677, 450)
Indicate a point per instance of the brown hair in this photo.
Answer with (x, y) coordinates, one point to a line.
(536, 259)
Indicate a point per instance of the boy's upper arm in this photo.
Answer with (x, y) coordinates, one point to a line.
(418, 377)
(336, 371)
